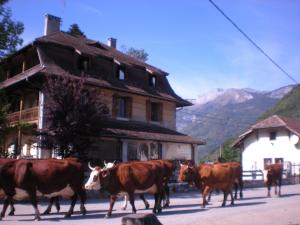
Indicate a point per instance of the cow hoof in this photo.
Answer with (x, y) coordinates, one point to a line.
(37, 218)
(107, 216)
(147, 206)
(123, 208)
(11, 214)
(67, 215)
(46, 212)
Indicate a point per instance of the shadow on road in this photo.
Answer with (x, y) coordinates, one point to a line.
(289, 195)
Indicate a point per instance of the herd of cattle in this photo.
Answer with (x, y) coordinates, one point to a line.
(52, 178)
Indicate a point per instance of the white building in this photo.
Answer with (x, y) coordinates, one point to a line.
(273, 140)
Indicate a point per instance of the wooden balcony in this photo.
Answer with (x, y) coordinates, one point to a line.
(30, 115)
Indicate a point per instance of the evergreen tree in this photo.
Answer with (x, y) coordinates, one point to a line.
(75, 30)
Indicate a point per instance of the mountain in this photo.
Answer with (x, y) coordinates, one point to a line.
(288, 106)
(225, 113)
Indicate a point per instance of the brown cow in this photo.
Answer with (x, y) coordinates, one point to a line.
(168, 168)
(46, 177)
(208, 177)
(274, 176)
(132, 177)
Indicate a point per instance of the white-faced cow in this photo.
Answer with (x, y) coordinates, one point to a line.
(133, 177)
(23, 179)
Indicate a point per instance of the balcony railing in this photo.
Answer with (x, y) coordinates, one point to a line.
(30, 115)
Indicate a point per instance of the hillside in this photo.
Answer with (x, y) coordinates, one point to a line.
(288, 106)
(223, 114)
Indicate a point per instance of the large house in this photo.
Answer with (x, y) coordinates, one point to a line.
(275, 139)
(141, 102)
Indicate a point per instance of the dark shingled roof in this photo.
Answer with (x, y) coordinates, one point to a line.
(274, 121)
(145, 131)
(96, 49)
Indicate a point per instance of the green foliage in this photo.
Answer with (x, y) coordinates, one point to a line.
(139, 54)
(75, 30)
(10, 31)
(223, 154)
(73, 113)
(288, 106)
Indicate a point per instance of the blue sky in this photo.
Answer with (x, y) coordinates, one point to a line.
(189, 39)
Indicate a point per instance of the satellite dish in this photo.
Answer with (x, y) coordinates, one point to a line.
(294, 139)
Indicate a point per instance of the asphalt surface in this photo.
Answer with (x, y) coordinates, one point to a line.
(185, 208)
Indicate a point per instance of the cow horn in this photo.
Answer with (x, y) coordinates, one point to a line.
(89, 165)
(105, 164)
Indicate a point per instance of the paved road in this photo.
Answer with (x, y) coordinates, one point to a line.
(254, 209)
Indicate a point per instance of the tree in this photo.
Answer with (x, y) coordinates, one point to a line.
(73, 114)
(229, 154)
(139, 54)
(10, 31)
(4, 106)
(75, 30)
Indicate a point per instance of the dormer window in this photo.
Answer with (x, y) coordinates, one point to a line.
(83, 63)
(152, 80)
(121, 74)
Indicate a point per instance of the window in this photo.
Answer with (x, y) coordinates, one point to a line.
(154, 111)
(267, 161)
(82, 63)
(273, 135)
(279, 160)
(122, 107)
(152, 80)
(121, 74)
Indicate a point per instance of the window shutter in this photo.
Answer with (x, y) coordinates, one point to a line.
(129, 107)
(148, 110)
(115, 105)
(160, 112)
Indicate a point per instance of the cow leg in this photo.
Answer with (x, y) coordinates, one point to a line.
(73, 202)
(124, 207)
(147, 205)
(6, 202)
(57, 205)
(235, 190)
(225, 198)
(155, 208)
(82, 196)
(279, 187)
(275, 184)
(209, 197)
(167, 196)
(204, 194)
(113, 199)
(48, 210)
(241, 185)
(131, 200)
(232, 199)
(12, 208)
(269, 188)
(33, 200)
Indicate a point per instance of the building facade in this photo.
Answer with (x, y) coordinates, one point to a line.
(142, 105)
(273, 140)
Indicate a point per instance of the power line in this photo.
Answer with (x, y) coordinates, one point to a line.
(252, 42)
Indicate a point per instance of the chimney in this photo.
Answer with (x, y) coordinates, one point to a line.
(52, 24)
(112, 42)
